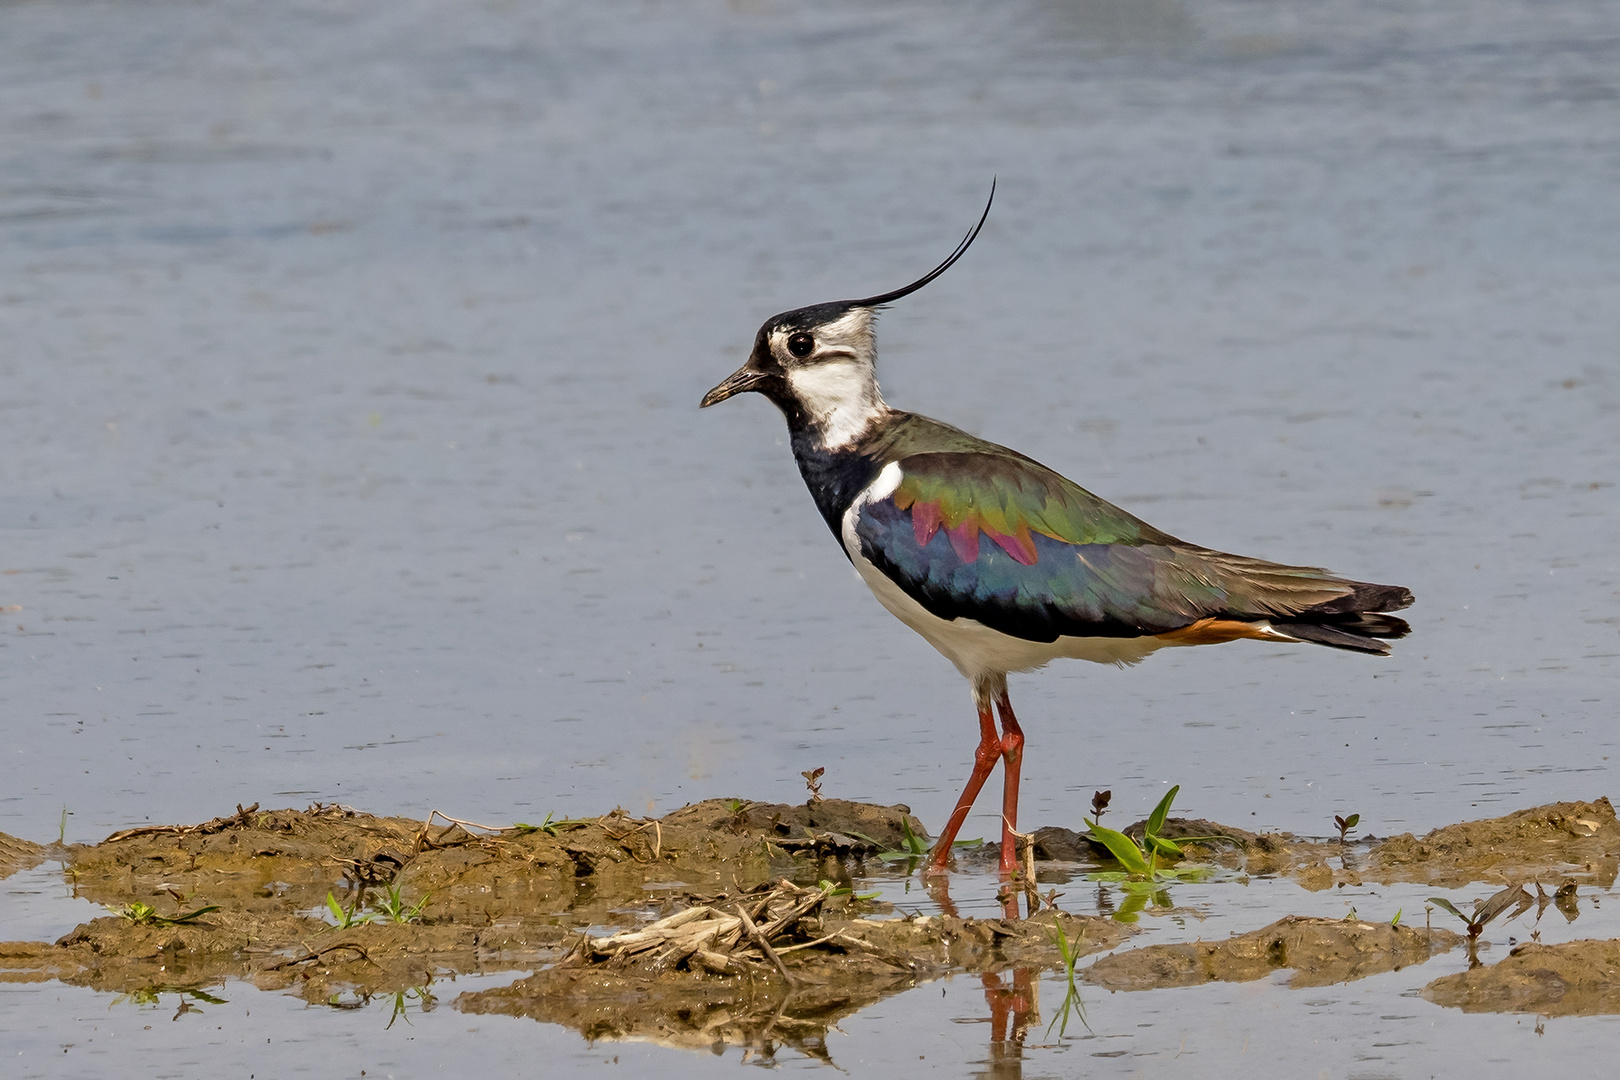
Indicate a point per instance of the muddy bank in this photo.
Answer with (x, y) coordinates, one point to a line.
(704, 979)
(489, 899)
(1577, 978)
(1567, 841)
(1573, 841)
(18, 855)
(330, 901)
(1318, 951)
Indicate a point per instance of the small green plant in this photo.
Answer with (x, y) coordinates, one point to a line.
(831, 889)
(548, 826)
(402, 1001)
(1345, 824)
(1396, 921)
(61, 832)
(146, 915)
(912, 846)
(345, 919)
(391, 907)
(1485, 911)
(152, 995)
(1140, 864)
(1071, 1000)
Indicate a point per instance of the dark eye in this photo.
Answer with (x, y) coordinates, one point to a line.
(801, 345)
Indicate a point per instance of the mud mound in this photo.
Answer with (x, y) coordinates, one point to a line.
(691, 1014)
(723, 922)
(1319, 951)
(1577, 978)
(1570, 840)
(1578, 841)
(703, 979)
(526, 875)
(120, 954)
(18, 854)
(248, 895)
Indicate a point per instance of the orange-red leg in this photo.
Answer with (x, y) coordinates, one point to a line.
(1008, 747)
(984, 759)
(1012, 754)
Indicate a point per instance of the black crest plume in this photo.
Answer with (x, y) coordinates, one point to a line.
(907, 290)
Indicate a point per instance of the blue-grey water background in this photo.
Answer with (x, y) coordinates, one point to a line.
(349, 447)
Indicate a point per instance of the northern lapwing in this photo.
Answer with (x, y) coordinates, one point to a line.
(1002, 564)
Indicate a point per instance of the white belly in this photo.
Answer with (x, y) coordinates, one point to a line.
(979, 651)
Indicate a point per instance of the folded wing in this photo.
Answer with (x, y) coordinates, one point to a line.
(1011, 544)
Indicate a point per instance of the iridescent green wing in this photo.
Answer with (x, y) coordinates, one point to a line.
(989, 535)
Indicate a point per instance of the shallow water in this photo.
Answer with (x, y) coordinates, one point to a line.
(351, 452)
(1374, 1027)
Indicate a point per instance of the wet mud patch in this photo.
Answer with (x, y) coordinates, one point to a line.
(329, 899)
(773, 968)
(732, 923)
(1559, 842)
(1319, 952)
(1576, 978)
(17, 854)
(1576, 841)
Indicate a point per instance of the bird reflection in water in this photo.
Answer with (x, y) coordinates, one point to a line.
(1012, 995)
(1014, 1006)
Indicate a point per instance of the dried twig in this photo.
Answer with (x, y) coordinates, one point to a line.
(867, 947)
(765, 946)
(652, 823)
(316, 954)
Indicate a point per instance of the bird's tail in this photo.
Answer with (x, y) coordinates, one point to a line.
(1355, 620)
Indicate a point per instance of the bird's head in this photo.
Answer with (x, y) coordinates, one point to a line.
(819, 363)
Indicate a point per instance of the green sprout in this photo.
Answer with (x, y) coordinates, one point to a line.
(1345, 824)
(548, 826)
(402, 1001)
(912, 846)
(146, 996)
(1140, 864)
(831, 889)
(146, 915)
(392, 907)
(345, 919)
(1071, 1000)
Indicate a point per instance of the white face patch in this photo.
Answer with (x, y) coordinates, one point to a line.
(841, 397)
(837, 382)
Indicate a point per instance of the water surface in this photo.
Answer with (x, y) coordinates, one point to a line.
(350, 449)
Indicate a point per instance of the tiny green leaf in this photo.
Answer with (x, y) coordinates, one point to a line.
(1155, 820)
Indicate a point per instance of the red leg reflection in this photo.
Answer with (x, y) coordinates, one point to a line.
(1012, 1008)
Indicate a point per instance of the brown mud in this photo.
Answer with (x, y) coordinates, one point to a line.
(1567, 841)
(1577, 978)
(1319, 951)
(725, 922)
